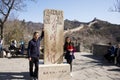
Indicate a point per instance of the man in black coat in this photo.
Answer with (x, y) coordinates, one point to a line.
(34, 53)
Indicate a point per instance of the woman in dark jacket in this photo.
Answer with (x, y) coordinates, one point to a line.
(69, 51)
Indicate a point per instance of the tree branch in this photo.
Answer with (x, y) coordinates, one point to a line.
(117, 6)
(8, 12)
(1, 11)
(6, 3)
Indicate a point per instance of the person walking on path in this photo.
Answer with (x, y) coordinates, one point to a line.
(110, 53)
(22, 47)
(118, 55)
(34, 53)
(1, 47)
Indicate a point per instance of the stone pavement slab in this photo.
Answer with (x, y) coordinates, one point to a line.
(14, 69)
(85, 67)
(89, 67)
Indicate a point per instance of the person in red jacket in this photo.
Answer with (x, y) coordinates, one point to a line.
(69, 51)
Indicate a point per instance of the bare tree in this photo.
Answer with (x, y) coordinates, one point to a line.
(116, 6)
(6, 7)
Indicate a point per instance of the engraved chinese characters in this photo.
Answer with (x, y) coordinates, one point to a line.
(53, 40)
(48, 13)
(54, 72)
(53, 48)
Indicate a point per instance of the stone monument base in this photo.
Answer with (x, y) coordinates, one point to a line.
(54, 72)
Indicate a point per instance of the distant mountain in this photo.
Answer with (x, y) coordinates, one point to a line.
(87, 33)
(34, 26)
(72, 24)
(93, 32)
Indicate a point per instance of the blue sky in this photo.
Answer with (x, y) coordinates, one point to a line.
(81, 10)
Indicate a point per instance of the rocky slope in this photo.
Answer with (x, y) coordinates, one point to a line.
(94, 32)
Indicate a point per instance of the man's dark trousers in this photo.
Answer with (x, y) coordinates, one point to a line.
(34, 61)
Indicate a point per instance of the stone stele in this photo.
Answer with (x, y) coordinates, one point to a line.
(53, 36)
(54, 72)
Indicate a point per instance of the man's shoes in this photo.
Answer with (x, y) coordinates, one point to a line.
(35, 78)
(71, 74)
(31, 78)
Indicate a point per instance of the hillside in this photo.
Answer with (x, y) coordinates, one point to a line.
(96, 31)
(20, 30)
(34, 26)
(72, 24)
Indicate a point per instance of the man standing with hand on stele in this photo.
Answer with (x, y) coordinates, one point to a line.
(34, 53)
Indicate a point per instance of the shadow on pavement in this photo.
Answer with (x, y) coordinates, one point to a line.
(114, 70)
(98, 60)
(14, 76)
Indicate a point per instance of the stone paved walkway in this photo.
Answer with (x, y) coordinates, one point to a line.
(89, 67)
(85, 67)
(14, 69)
